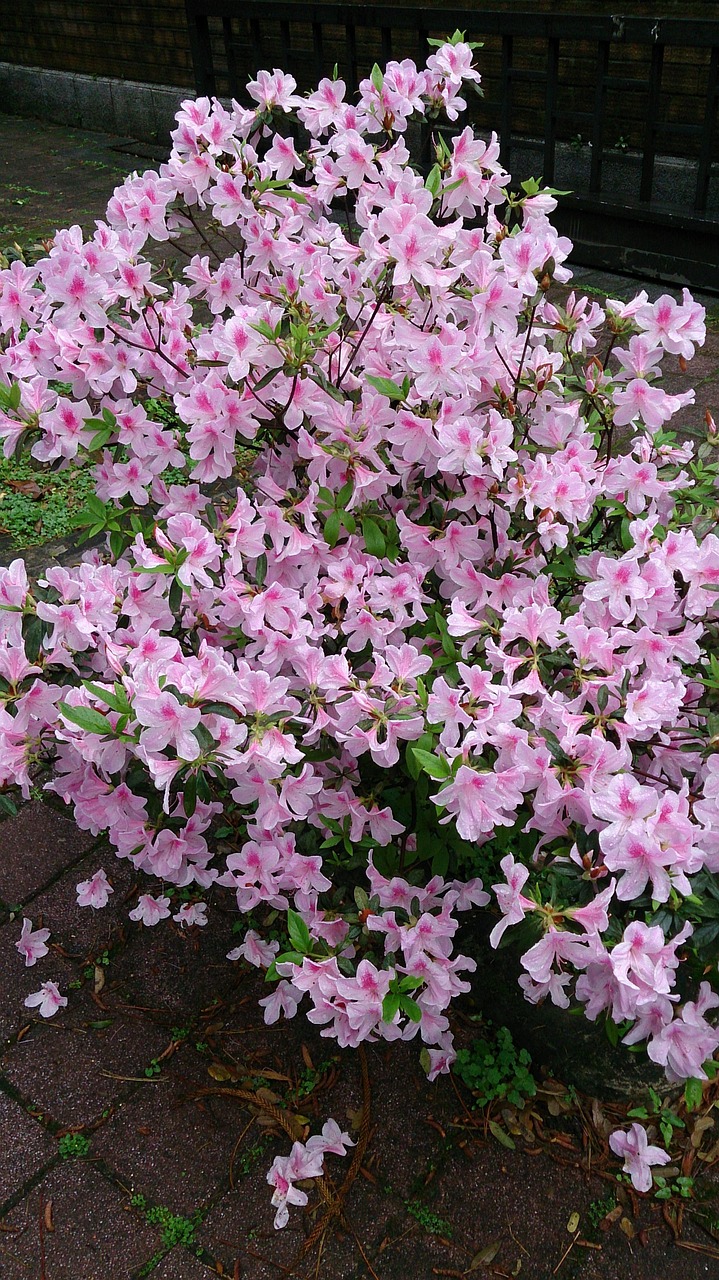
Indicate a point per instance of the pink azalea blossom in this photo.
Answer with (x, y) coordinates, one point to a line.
(47, 1000)
(32, 943)
(94, 892)
(639, 1155)
(151, 910)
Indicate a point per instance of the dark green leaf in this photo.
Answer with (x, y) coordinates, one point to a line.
(86, 718)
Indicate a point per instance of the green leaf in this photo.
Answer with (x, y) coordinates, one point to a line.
(333, 524)
(374, 539)
(693, 1094)
(99, 440)
(433, 181)
(86, 718)
(387, 387)
(390, 1006)
(189, 795)
(299, 933)
(501, 1135)
(33, 630)
(377, 78)
(116, 701)
(361, 898)
(410, 1007)
(435, 766)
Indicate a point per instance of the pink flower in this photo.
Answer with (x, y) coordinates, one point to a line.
(479, 802)
(510, 898)
(167, 723)
(94, 892)
(151, 910)
(32, 944)
(47, 1000)
(255, 951)
(192, 913)
(639, 1156)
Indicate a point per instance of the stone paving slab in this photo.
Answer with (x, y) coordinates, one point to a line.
(81, 931)
(25, 1145)
(75, 1074)
(34, 848)
(180, 1264)
(168, 1145)
(95, 1234)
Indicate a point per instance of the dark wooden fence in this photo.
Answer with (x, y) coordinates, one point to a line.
(647, 203)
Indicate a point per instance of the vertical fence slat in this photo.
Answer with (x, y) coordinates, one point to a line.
(198, 30)
(286, 41)
(256, 41)
(227, 36)
(710, 115)
(505, 109)
(386, 36)
(351, 40)
(650, 135)
(550, 108)
(600, 98)
(317, 50)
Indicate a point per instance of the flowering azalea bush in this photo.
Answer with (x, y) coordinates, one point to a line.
(408, 603)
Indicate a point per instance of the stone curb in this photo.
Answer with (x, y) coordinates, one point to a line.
(127, 107)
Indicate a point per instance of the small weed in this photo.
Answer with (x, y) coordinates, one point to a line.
(247, 1160)
(662, 1113)
(495, 1070)
(431, 1221)
(37, 503)
(153, 1070)
(664, 1190)
(599, 1209)
(311, 1075)
(73, 1145)
(427, 1218)
(175, 1229)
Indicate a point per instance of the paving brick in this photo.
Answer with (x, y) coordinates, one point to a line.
(179, 972)
(75, 1072)
(169, 1146)
(18, 980)
(24, 1147)
(95, 1235)
(179, 1264)
(34, 847)
(83, 931)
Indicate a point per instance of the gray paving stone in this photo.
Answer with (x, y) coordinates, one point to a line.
(74, 1073)
(83, 931)
(34, 847)
(24, 1147)
(179, 1264)
(95, 1234)
(169, 1146)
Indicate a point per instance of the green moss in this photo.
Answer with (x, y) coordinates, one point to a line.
(31, 518)
(73, 1145)
(495, 1069)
